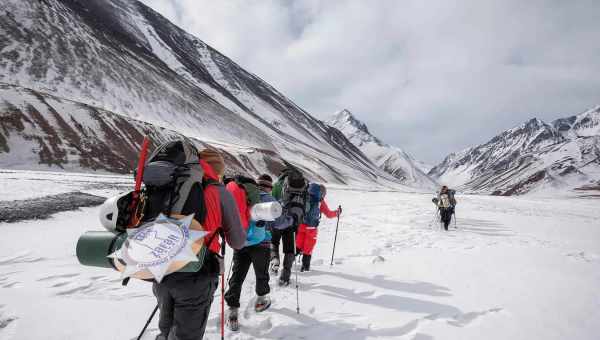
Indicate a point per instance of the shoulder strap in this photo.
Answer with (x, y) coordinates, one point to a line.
(184, 188)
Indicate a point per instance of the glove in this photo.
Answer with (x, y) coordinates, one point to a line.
(339, 211)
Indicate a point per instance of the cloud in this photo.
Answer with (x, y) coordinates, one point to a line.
(431, 77)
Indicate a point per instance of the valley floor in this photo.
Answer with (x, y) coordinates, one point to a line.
(515, 268)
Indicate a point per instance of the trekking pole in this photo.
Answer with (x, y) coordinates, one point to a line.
(454, 213)
(223, 290)
(336, 232)
(229, 272)
(148, 322)
(297, 289)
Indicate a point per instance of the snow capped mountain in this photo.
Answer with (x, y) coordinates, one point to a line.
(584, 124)
(530, 157)
(423, 166)
(393, 160)
(121, 57)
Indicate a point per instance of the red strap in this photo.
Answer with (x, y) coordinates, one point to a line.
(209, 172)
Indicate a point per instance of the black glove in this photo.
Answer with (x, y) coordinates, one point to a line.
(339, 210)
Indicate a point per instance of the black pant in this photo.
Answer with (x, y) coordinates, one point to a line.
(258, 256)
(446, 216)
(287, 236)
(184, 300)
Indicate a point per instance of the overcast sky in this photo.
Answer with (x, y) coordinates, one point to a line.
(432, 77)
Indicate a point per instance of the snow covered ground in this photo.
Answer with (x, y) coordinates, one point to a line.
(516, 268)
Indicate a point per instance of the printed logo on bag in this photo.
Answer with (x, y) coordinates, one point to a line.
(155, 245)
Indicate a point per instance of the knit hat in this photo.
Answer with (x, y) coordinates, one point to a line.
(214, 158)
(265, 181)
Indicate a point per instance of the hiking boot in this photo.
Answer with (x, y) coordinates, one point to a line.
(284, 283)
(305, 263)
(262, 303)
(232, 320)
(288, 260)
(274, 266)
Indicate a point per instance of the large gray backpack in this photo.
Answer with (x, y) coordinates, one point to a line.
(173, 181)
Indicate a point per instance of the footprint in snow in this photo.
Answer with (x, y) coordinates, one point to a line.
(24, 257)
(6, 280)
(465, 319)
(59, 276)
(582, 256)
(8, 324)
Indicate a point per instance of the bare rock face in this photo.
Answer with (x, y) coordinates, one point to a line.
(83, 80)
(564, 154)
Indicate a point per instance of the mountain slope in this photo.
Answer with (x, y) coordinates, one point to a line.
(530, 157)
(121, 56)
(39, 130)
(392, 160)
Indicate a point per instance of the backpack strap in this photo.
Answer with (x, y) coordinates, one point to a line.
(184, 188)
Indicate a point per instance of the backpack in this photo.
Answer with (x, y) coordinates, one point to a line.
(292, 192)
(173, 179)
(313, 215)
(173, 184)
(250, 187)
(447, 199)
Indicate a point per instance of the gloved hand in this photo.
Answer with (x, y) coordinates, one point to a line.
(339, 211)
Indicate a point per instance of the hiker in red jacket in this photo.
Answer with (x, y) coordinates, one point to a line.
(185, 297)
(306, 238)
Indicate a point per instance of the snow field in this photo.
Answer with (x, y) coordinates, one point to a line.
(516, 268)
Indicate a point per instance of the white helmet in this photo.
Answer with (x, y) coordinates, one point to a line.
(109, 212)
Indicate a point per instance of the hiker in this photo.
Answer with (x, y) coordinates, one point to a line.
(265, 185)
(446, 203)
(185, 297)
(255, 252)
(291, 191)
(306, 238)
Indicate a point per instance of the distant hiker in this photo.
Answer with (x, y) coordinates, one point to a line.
(185, 297)
(255, 252)
(306, 237)
(446, 203)
(291, 190)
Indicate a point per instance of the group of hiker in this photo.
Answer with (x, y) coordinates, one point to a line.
(184, 298)
(254, 216)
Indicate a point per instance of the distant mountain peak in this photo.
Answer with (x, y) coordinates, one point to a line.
(346, 117)
(392, 160)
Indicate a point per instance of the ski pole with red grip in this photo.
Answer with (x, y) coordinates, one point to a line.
(138, 181)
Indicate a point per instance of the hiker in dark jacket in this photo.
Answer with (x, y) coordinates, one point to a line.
(184, 297)
(291, 191)
(446, 204)
(255, 252)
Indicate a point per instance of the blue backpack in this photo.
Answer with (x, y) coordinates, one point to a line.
(313, 215)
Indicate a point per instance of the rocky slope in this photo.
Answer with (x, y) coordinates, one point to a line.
(41, 131)
(534, 156)
(119, 56)
(392, 160)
